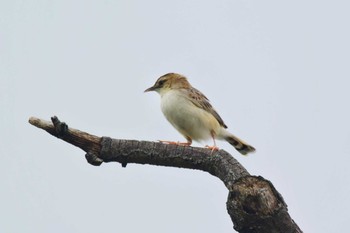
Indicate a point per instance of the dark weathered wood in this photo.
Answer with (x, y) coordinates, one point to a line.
(253, 204)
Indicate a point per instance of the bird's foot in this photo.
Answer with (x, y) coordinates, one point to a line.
(212, 148)
(176, 143)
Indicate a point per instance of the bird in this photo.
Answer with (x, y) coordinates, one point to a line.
(190, 112)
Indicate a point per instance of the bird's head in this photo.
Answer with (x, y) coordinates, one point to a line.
(168, 82)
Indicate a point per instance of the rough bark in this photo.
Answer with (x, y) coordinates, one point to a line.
(253, 203)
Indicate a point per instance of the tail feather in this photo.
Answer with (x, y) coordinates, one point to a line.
(240, 145)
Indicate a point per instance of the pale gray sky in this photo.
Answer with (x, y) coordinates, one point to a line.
(276, 71)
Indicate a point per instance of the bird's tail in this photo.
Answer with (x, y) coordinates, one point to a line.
(239, 145)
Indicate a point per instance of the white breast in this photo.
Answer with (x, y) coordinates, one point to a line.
(188, 119)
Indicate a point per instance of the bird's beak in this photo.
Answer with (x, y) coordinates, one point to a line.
(151, 89)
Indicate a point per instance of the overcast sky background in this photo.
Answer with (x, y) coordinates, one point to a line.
(276, 71)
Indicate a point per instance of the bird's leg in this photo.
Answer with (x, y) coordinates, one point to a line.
(188, 143)
(214, 147)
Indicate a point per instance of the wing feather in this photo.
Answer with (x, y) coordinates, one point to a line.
(201, 101)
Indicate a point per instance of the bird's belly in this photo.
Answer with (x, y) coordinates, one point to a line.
(188, 119)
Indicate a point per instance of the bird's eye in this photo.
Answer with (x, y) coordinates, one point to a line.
(161, 82)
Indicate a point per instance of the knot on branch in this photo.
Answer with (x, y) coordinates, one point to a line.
(61, 128)
(93, 159)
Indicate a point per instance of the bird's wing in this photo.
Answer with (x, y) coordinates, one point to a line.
(201, 101)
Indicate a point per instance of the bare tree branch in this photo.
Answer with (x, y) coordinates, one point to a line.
(253, 204)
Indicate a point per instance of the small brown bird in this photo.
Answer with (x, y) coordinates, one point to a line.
(190, 112)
